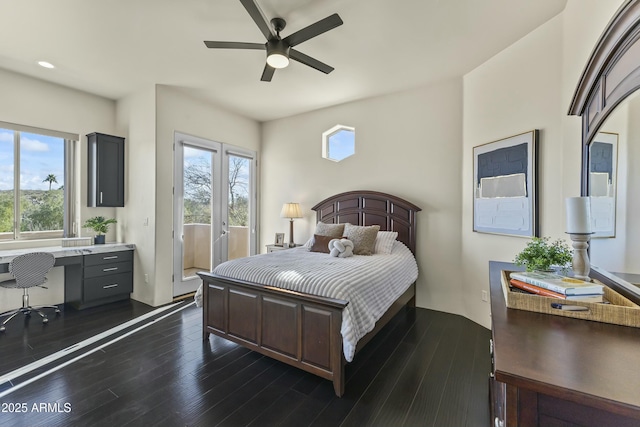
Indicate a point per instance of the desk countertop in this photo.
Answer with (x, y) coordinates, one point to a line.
(60, 252)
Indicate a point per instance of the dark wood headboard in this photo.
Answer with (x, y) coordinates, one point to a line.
(391, 213)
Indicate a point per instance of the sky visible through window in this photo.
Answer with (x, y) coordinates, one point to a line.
(341, 144)
(40, 156)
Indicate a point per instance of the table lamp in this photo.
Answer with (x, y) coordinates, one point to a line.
(578, 227)
(291, 211)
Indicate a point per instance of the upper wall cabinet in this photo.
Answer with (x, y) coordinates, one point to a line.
(105, 170)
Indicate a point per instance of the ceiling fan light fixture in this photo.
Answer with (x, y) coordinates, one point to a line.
(277, 54)
(277, 60)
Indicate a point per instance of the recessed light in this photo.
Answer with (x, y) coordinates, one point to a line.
(45, 64)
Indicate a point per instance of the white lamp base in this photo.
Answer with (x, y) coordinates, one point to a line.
(580, 264)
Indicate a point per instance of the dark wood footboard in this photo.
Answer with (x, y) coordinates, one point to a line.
(294, 328)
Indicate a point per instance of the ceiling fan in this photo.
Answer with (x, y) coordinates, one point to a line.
(280, 50)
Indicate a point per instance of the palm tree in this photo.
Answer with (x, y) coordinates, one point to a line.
(51, 178)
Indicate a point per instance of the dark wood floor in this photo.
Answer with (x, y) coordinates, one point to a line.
(27, 339)
(425, 368)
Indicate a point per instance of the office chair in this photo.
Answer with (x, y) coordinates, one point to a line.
(28, 270)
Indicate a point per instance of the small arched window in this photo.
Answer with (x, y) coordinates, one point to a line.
(338, 143)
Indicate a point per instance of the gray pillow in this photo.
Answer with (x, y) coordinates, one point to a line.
(333, 230)
(363, 238)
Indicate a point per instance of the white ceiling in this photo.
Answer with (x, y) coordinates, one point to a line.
(113, 48)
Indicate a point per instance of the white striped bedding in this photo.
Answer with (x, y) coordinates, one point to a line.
(370, 283)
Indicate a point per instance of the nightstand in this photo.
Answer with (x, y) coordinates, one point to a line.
(274, 248)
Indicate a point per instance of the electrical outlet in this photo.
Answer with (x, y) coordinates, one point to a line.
(146, 278)
(485, 296)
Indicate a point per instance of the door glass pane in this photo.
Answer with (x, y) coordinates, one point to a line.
(238, 211)
(41, 184)
(196, 253)
(6, 184)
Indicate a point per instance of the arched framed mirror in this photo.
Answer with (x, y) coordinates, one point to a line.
(608, 100)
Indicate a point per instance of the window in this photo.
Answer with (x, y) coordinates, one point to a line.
(36, 182)
(338, 143)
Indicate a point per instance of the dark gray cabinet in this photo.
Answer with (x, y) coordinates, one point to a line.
(105, 170)
(99, 279)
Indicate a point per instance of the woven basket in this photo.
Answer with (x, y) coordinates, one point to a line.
(620, 311)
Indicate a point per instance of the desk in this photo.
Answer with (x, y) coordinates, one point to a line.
(552, 371)
(86, 270)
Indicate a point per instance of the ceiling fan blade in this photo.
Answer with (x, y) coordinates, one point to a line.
(259, 18)
(267, 73)
(235, 45)
(311, 62)
(322, 26)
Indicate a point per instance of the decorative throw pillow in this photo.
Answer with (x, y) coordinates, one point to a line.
(341, 248)
(384, 242)
(333, 230)
(321, 243)
(363, 238)
(322, 229)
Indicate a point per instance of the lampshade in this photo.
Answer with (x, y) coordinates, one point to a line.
(277, 54)
(578, 215)
(291, 210)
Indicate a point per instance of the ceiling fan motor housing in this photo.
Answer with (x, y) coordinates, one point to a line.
(277, 53)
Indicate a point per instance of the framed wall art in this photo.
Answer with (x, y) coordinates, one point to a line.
(505, 186)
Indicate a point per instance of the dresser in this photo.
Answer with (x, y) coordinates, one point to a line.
(554, 371)
(276, 248)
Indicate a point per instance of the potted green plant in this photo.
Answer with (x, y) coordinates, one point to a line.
(100, 225)
(540, 254)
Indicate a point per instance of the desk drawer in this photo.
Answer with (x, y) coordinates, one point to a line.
(106, 286)
(108, 258)
(107, 269)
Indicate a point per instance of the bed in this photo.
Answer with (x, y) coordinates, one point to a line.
(302, 329)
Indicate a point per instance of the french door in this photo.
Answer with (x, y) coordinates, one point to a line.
(214, 207)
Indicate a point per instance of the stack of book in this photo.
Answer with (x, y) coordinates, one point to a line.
(557, 286)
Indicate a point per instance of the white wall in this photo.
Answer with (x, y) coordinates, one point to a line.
(528, 86)
(516, 91)
(407, 144)
(136, 221)
(33, 102)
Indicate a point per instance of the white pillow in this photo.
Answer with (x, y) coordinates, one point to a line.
(384, 242)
